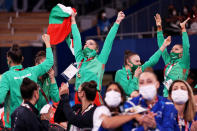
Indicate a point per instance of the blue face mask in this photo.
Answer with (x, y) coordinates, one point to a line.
(89, 52)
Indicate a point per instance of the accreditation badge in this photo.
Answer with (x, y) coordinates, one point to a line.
(70, 72)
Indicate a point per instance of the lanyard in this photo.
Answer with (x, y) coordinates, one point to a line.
(180, 122)
(127, 75)
(170, 68)
(19, 69)
(44, 95)
(89, 59)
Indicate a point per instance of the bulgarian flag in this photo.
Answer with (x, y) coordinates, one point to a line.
(59, 27)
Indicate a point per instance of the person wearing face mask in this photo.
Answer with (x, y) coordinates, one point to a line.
(127, 77)
(108, 117)
(80, 116)
(177, 63)
(103, 24)
(12, 79)
(49, 89)
(160, 114)
(25, 117)
(182, 96)
(91, 66)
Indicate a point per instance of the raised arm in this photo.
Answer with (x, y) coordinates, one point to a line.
(76, 39)
(155, 58)
(48, 63)
(160, 38)
(53, 91)
(103, 56)
(185, 60)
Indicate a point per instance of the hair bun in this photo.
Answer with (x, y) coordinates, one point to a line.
(127, 52)
(15, 47)
(93, 84)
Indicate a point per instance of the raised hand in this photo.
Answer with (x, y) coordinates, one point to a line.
(46, 39)
(73, 15)
(64, 89)
(167, 41)
(158, 19)
(183, 24)
(120, 17)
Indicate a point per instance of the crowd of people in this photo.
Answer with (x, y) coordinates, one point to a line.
(130, 103)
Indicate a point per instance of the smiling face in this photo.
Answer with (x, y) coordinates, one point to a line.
(91, 44)
(177, 49)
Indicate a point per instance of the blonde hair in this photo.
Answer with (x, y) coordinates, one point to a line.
(189, 111)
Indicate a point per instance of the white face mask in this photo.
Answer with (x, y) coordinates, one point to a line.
(148, 92)
(113, 98)
(179, 96)
(174, 12)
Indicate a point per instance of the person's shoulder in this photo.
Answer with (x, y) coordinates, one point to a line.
(120, 71)
(101, 109)
(19, 111)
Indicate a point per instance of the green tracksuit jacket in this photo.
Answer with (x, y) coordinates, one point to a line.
(51, 91)
(93, 69)
(11, 82)
(132, 84)
(181, 68)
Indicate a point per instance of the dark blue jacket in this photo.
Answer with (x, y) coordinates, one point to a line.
(27, 119)
(165, 114)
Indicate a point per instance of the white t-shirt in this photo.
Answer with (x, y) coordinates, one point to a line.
(97, 120)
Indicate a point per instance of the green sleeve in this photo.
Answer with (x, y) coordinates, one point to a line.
(185, 60)
(128, 87)
(77, 42)
(45, 66)
(4, 88)
(153, 60)
(54, 92)
(103, 56)
(160, 40)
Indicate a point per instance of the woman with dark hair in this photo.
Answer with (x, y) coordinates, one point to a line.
(12, 79)
(49, 89)
(127, 77)
(177, 63)
(80, 116)
(108, 117)
(182, 96)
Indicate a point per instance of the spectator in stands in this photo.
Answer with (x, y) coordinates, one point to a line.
(49, 89)
(80, 116)
(25, 117)
(160, 115)
(182, 96)
(193, 26)
(192, 80)
(12, 79)
(172, 21)
(108, 116)
(195, 97)
(178, 61)
(127, 77)
(103, 25)
(91, 66)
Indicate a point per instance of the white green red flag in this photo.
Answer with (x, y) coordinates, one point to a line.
(59, 27)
